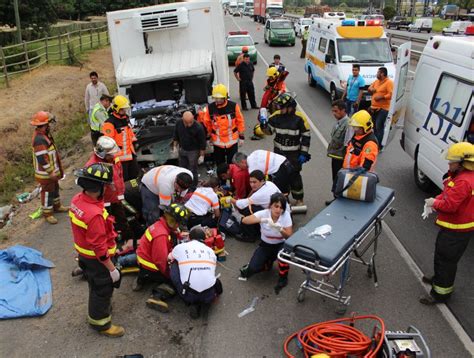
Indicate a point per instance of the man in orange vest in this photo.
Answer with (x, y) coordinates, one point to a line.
(118, 128)
(94, 241)
(225, 125)
(362, 150)
(47, 165)
(455, 208)
(152, 255)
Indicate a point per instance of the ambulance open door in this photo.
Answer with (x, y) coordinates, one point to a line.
(398, 104)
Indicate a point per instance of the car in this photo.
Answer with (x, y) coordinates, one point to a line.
(234, 43)
(398, 22)
(279, 32)
(301, 24)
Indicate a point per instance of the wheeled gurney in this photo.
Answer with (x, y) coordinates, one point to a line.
(356, 226)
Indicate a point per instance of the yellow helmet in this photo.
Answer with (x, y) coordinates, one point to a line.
(320, 355)
(257, 131)
(272, 72)
(120, 102)
(219, 91)
(459, 152)
(362, 119)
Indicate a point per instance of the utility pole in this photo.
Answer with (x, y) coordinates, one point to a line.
(17, 21)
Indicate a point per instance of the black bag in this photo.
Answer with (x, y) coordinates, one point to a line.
(356, 184)
(228, 223)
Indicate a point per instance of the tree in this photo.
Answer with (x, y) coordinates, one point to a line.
(389, 12)
(35, 14)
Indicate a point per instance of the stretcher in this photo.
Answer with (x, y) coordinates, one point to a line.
(356, 226)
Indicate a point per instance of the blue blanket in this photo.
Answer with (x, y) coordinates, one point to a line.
(25, 283)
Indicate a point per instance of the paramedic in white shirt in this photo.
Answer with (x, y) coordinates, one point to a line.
(274, 166)
(193, 272)
(259, 199)
(162, 186)
(276, 226)
(204, 205)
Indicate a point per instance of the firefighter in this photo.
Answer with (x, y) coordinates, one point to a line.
(292, 140)
(117, 126)
(104, 152)
(455, 208)
(94, 241)
(275, 86)
(362, 150)
(225, 124)
(47, 165)
(152, 255)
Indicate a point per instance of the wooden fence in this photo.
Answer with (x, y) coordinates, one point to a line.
(27, 56)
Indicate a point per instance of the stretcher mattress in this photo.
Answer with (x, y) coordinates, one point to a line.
(348, 219)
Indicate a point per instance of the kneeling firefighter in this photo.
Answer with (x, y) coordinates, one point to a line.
(94, 241)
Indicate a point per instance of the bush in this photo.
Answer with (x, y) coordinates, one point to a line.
(18, 56)
(389, 12)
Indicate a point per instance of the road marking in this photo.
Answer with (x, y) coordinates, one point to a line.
(445, 311)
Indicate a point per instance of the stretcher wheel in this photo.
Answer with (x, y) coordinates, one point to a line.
(341, 309)
(301, 295)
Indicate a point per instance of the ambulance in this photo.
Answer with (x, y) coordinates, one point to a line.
(334, 46)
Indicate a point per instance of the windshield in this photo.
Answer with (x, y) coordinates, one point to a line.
(281, 25)
(240, 41)
(307, 22)
(364, 51)
(274, 11)
(249, 4)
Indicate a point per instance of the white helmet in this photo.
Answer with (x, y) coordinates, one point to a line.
(105, 145)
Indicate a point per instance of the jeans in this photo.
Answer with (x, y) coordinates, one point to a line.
(189, 159)
(150, 205)
(379, 116)
(349, 107)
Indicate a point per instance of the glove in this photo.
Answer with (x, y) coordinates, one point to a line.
(303, 158)
(115, 275)
(429, 202)
(427, 211)
(275, 226)
(265, 221)
(200, 160)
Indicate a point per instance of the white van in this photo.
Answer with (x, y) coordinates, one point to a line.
(439, 110)
(422, 24)
(456, 28)
(333, 47)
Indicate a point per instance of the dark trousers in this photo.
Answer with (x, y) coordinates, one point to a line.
(296, 181)
(250, 231)
(349, 107)
(282, 178)
(49, 196)
(150, 205)
(336, 165)
(130, 169)
(225, 155)
(100, 293)
(189, 159)
(450, 246)
(191, 296)
(264, 257)
(303, 49)
(121, 223)
(147, 276)
(246, 88)
(204, 220)
(379, 116)
(95, 135)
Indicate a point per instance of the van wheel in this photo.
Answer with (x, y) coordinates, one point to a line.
(311, 81)
(421, 180)
(333, 92)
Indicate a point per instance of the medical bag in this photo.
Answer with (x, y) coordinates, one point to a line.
(356, 184)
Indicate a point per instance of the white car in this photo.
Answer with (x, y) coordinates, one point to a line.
(456, 28)
(300, 25)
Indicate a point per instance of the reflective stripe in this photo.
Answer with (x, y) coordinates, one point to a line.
(147, 263)
(81, 223)
(230, 128)
(124, 143)
(304, 148)
(165, 197)
(294, 132)
(267, 163)
(197, 262)
(348, 160)
(335, 156)
(218, 251)
(203, 197)
(148, 235)
(451, 184)
(91, 253)
(120, 197)
(41, 152)
(455, 226)
(286, 148)
(99, 322)
(443, 290)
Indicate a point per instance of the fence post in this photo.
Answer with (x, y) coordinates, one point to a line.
(4, 63)
(98, 36)
(25, 49)
(80, 40)
(69, 47)
(107, 37)
(60, 47)
(90, 35)
(46, 48)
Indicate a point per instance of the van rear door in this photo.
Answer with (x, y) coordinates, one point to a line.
(397, 104)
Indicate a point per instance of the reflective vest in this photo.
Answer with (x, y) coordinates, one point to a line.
(362, 152)
(224, 124)
(455, 205)
(45, 157)
(92, 241)
(115, 192)
(154, 247)
(119, 129)
(98, 116)
(292, 132)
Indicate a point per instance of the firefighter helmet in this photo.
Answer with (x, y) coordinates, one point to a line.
(99, 172)
(106, 145)
(285, 100)
(258, 132)
(245, 49)
(272, 73)
(362, 119)
(120, 102)
(219, 91)
(178, 212)
(459, 152)
(41, 118)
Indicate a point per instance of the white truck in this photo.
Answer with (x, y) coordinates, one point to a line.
(166, 59)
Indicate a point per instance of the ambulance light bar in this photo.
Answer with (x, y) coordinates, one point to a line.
(373, 23)
(348, 23)
(238, 33)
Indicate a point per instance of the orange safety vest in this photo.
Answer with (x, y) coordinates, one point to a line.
(224, 124)
(118, 128)
(360, 149)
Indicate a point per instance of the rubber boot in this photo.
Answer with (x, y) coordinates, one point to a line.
(157, 305)
(163, 291)
(61, 209)
(429, 300)
(114, 331)
(51, 219)
(195, 311)
(244, 271)
(137, 285)
(282, 282)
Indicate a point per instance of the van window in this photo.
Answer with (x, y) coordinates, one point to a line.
(425, 82)
(402, 82)
(322, 44)
(332, 49)
(451, 98)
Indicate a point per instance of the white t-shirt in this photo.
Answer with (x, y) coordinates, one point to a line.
(200, 260)
(160, 181)
(264, 160)
(202, 200)
(269, 235)
(261, 197)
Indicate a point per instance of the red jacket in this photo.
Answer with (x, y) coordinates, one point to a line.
(92, 228)
(115, 192)
(455, 205)
(154, 247)
(240, 181)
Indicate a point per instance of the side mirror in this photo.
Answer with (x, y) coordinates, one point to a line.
(255, 43)
(328, 59)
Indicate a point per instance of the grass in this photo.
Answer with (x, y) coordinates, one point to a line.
(440, 24)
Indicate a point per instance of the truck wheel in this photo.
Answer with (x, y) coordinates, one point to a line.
(421, 180)
(292, 44)
(333, 92)
(311, 81)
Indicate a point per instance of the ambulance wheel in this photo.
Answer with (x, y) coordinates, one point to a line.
(333, 92)
(311, 81)
(421, 180)
(301, 295)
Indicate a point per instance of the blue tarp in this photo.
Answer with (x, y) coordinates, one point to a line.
(25, 283)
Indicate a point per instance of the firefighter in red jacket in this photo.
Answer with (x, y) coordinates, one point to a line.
(94, 241)
(104, 152)
(47, 165)
(152, 255)
(455, 208)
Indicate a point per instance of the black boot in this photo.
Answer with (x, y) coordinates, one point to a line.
(282, 282)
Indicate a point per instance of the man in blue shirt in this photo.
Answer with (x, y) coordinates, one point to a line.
(354, 89)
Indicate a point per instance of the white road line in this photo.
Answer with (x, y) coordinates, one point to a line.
(445, 311)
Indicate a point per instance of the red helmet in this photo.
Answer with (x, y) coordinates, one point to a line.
(245, 49)
(41, 118)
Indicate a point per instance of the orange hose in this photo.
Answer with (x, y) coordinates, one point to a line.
(339, 340)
